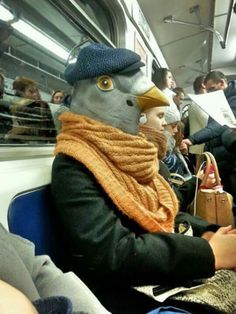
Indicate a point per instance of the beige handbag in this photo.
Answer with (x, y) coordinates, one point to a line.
(214, 205)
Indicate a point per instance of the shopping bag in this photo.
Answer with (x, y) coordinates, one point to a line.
(214, 205)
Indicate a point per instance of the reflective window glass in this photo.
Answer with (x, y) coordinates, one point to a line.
(25, 121)
(98, 14)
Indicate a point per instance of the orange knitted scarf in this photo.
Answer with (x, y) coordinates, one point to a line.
(125, 166)
(157, 138)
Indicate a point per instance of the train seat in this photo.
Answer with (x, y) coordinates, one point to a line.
(30, 216)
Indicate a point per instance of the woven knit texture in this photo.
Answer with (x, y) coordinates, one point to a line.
(98, 59)
(219, 292)
(125, 166)
(157, 138)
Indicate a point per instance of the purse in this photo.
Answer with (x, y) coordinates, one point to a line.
(213, 205)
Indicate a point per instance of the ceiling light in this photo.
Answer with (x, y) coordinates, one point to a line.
(34, 34)
(5, 14)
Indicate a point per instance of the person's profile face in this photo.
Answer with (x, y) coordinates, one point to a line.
(178, 99)
(31, 92)
(169, 80)
(172, 128)
(212, 86)
(156, 118)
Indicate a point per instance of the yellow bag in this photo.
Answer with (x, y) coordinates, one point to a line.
(213, 205)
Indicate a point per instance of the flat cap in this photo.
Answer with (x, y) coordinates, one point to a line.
(98, 59)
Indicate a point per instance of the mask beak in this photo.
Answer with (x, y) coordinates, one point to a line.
(152, 98)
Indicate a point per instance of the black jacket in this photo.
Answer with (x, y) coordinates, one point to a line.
(185, 192)
(110, 252)
(211, 135)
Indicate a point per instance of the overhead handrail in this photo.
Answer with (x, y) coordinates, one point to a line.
(171, 19)
(228, 22)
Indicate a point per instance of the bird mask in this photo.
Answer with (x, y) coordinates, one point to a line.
(110, 87)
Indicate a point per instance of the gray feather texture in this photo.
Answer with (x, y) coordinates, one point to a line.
(117, 107)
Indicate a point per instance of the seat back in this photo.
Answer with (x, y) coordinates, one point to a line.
(30, 215)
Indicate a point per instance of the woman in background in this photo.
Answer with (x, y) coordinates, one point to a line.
(57, 97)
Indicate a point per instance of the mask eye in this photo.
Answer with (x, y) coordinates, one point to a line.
(105, 83)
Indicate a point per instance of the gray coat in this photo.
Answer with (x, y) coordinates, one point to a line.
(37, 276)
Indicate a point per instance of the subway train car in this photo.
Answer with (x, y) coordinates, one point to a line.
(39, 38)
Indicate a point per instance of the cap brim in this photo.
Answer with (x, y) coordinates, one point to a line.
(131, 68)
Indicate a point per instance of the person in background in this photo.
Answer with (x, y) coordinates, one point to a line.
(116, 213)
(152, 124)
(211, 135)
(57, 97)
(179, 96)
(26, 87)
(197, 117)
(174, 159)
(163, 79)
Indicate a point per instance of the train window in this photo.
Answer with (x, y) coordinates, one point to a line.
(98, 14)
(25, 121)
(38, 38)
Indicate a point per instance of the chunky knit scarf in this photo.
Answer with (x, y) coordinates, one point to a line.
(125, 166)
(157, 138)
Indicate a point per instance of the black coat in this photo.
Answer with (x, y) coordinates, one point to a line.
(111, 253)
(185, 192)
(211, 135)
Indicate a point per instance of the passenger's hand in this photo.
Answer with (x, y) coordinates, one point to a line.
(223, 244)
(209, 234)
(186, 141)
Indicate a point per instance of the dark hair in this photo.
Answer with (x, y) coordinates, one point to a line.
(21, 82)
(159, 77)
(178, 90)
(197, 84)
(215, 76)
(55, 92)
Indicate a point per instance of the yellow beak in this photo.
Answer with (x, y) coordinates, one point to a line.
(153, 98)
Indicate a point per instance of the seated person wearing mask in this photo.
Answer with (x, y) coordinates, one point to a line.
(116, 213)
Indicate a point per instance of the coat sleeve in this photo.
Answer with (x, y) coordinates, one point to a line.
(211, 131)
(51, 281)
(95, 229)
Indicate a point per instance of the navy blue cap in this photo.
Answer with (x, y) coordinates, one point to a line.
(98, 59)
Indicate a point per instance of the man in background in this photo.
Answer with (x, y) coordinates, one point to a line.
(197, 117)
(211, 135)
